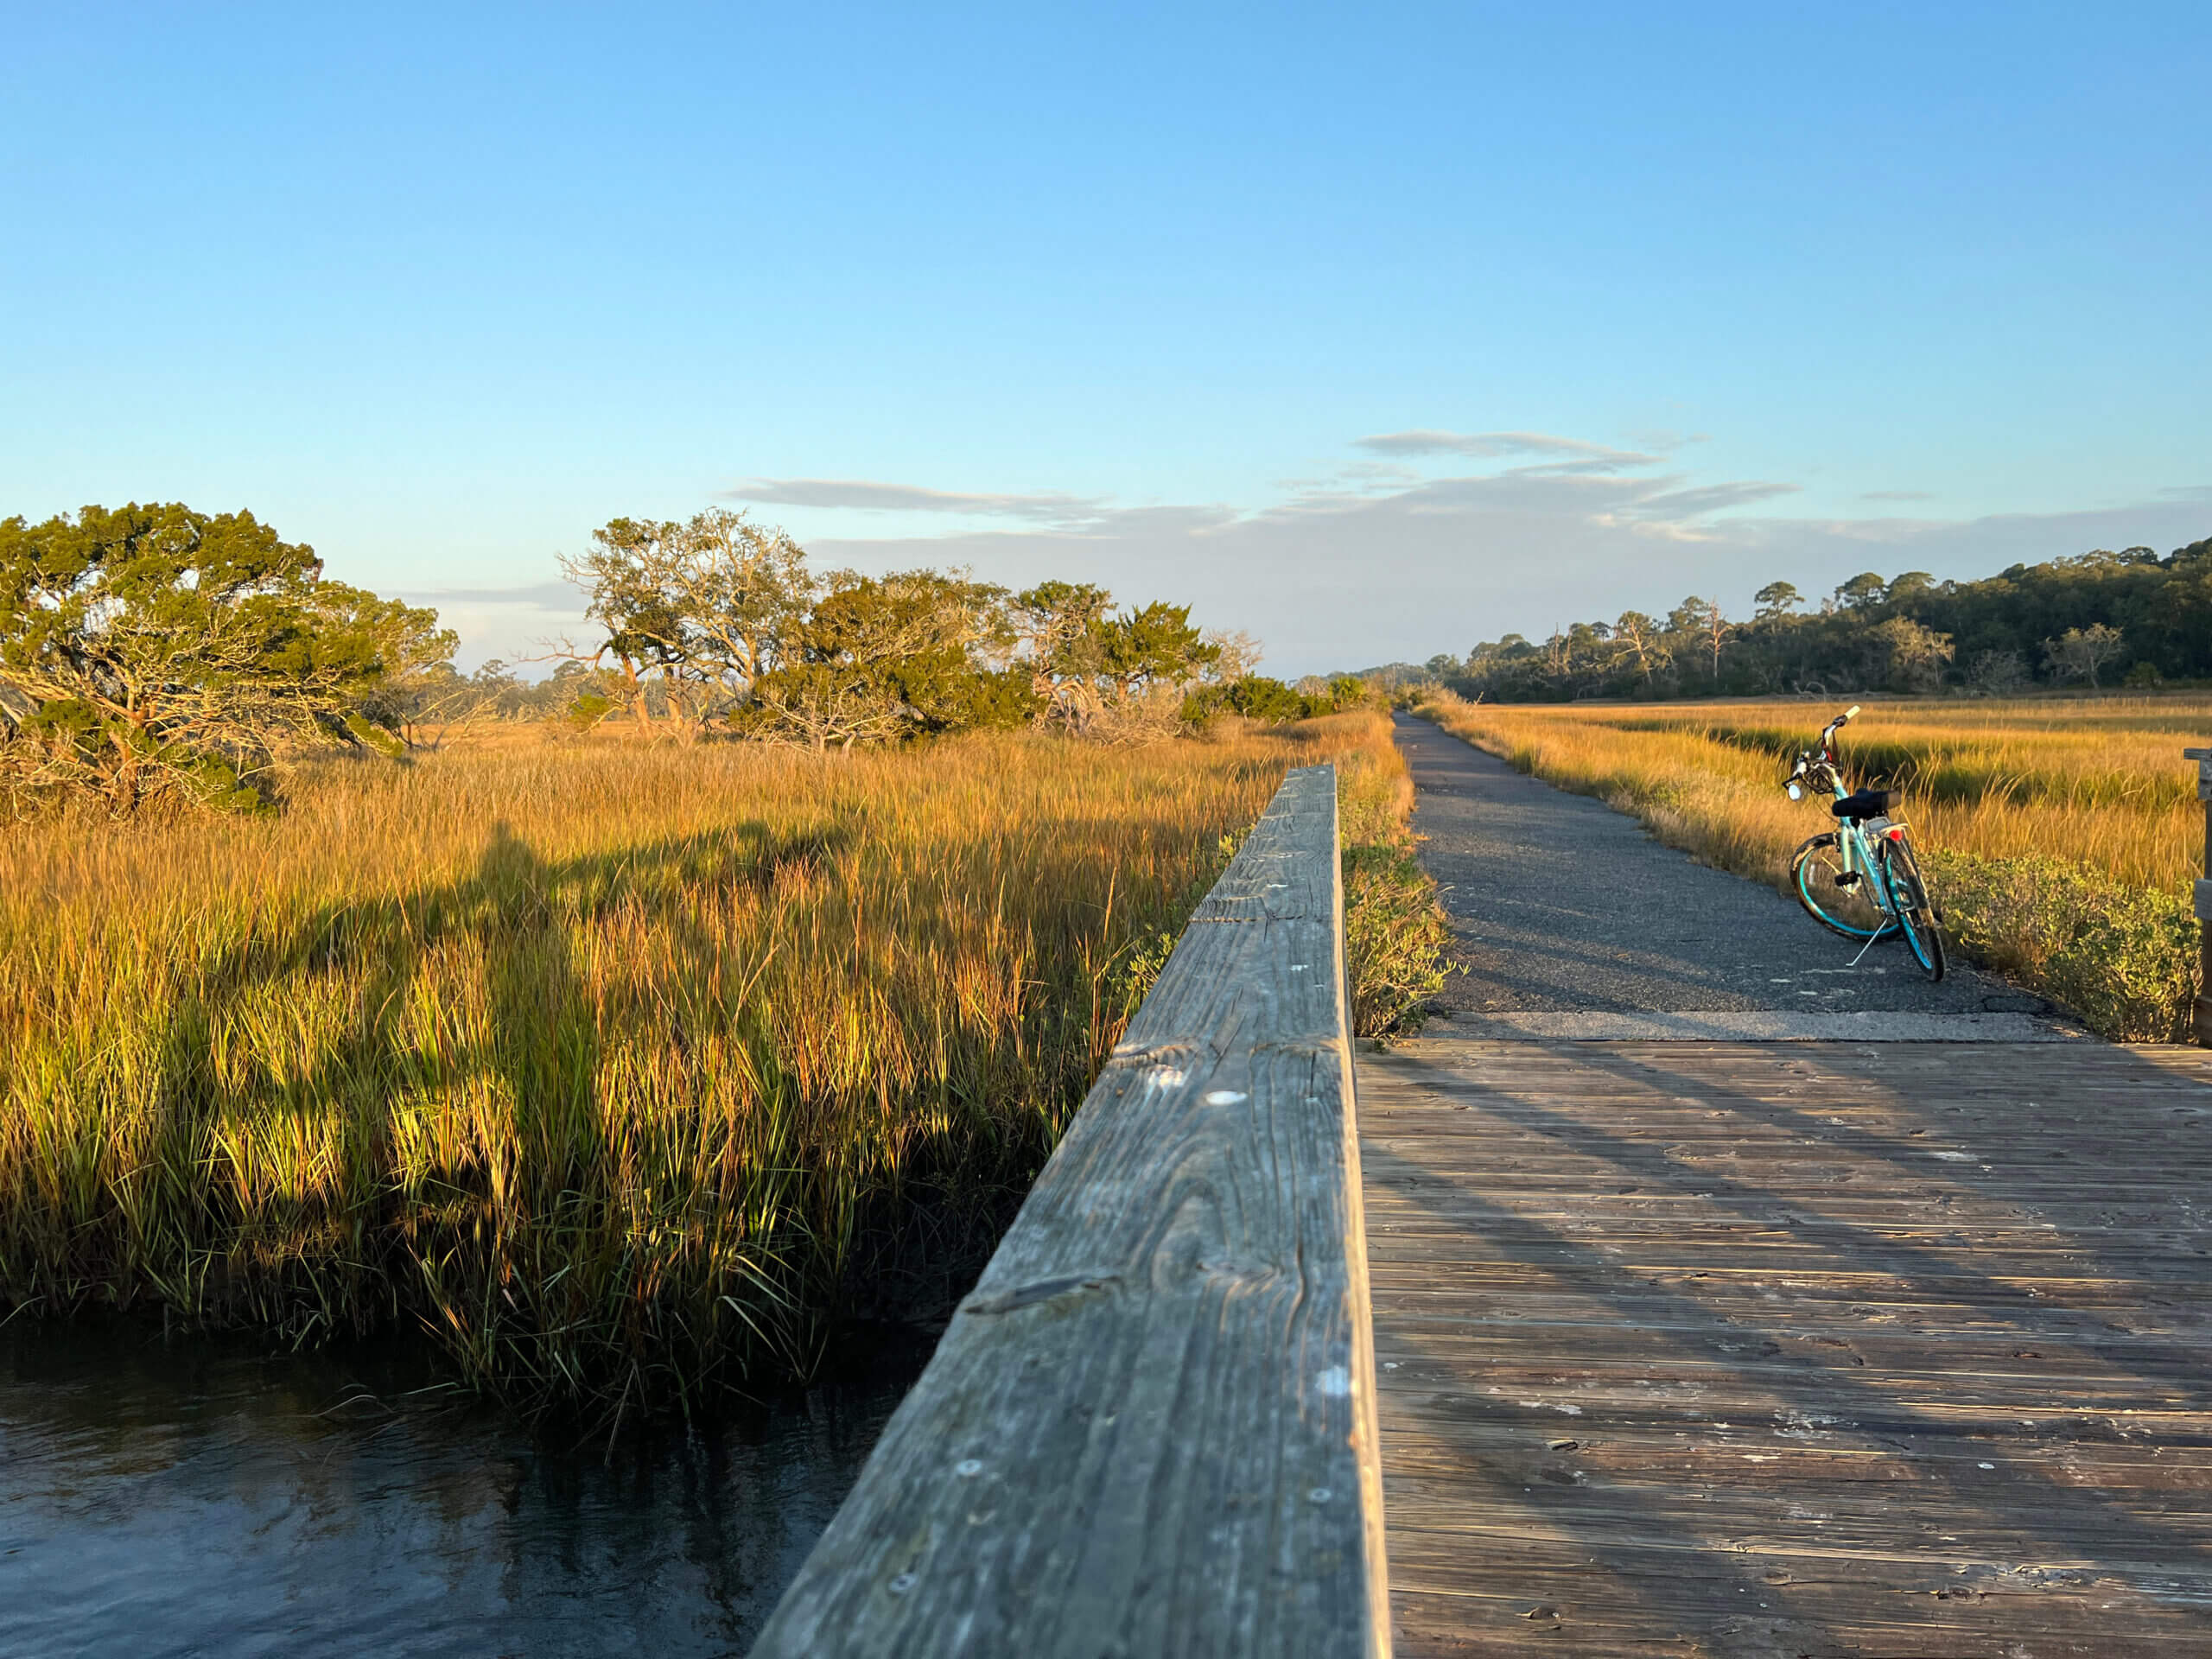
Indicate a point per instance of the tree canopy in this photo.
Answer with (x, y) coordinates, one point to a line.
(152, 649)
(719, 624)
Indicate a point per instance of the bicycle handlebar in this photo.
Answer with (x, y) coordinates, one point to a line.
(1824, 753)
(1837, 724)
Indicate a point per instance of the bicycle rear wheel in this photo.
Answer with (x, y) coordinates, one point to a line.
(1916, 912)
(1837, 899)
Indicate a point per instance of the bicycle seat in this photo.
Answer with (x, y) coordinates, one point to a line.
(1866, 804)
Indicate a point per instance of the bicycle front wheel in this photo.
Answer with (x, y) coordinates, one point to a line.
(1837, 900)
(1915, 912)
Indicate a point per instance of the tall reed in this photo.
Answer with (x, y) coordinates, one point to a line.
(620, 1069)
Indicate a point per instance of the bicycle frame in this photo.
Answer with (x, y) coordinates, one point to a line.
(1854, 838)
(1854, 845)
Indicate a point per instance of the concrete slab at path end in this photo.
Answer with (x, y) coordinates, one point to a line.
(1570, 921)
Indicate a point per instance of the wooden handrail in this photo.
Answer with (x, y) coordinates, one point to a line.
(1150, 1430)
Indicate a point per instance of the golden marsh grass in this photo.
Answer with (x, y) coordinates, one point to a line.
(619, 1068)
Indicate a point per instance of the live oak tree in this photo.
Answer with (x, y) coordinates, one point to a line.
(701, 606)
(1057, 624)
(1918, 654)
(152, 650)
(2080, 653)
(872, 660)
(1122, 677)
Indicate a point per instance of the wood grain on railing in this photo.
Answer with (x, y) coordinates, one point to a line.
(1150, 1430)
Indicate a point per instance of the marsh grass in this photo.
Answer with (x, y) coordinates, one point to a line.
(2060, 834)
(623, 1070)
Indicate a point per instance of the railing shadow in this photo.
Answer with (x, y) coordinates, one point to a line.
(2070, 1522)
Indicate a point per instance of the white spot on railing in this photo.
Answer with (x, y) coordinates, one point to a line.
(968, 1468)
(1335, 1383)
(1319, 1495)
(1299, 967)
(902, 1584)
(1225, 1097)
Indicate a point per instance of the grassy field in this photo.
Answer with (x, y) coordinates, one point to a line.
(620, 1069)
(2061, 834)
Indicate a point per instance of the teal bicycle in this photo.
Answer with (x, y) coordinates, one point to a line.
(1861, 880)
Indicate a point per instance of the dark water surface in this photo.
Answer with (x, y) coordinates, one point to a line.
(193, 1496)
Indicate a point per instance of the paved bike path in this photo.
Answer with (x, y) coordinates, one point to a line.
(1569, 920)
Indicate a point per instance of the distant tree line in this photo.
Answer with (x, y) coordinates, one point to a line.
(2093, 620)
(152, 651)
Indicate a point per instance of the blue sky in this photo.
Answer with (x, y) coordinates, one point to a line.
(1373, 331)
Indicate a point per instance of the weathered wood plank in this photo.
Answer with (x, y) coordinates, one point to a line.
(1703, 1348)
(1151, 1428)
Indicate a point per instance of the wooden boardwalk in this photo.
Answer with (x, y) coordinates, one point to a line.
(1821, 1348)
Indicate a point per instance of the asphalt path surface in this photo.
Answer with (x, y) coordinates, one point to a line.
(1569, 920)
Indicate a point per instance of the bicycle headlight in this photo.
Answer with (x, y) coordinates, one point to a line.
(1796, 789)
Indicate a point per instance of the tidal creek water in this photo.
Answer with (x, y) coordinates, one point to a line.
(204, 1496)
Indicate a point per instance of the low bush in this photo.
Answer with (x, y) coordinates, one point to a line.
(2125, 958)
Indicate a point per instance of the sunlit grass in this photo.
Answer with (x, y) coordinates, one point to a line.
(619, 1068)
(2070, 828)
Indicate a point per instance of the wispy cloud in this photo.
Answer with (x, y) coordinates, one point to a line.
(1897, 495)
(1498, 445)
(510, 623)
(536, 595)
(868, 495)
(1680, 506)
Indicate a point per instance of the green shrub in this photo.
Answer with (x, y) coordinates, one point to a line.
(588, 709)
(2123, 958)
(1349, 692)
(1394, 936)
(1255, 696)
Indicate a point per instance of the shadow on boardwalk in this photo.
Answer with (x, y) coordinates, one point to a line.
(1735, 1350)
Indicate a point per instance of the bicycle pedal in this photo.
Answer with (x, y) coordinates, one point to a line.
(1847, 881)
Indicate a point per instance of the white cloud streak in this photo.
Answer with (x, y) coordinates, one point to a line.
(868, 495)
(1497, 445)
